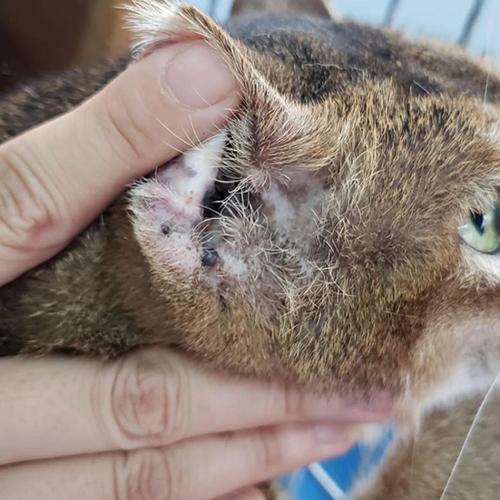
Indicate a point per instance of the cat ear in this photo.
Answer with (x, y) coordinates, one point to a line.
(156, 23)
(320, 8)
(159, 23)
(281, 128)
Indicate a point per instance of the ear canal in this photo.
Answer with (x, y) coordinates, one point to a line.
(319, 8)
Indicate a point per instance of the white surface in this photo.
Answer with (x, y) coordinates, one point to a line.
(328, 484)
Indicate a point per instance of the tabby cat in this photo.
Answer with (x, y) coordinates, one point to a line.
(345, 235)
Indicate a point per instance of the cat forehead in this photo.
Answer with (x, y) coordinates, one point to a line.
(323, 56)
(377, 80)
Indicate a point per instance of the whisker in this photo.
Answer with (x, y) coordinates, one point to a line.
(492, 17)
(194, 131)
(479, 412)
(412, 459)
(171, 132)
(171, 146)
(202, 98)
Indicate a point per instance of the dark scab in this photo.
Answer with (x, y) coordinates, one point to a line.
(165, 229)
(210, 257)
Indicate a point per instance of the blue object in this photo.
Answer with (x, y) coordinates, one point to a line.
(341, 471)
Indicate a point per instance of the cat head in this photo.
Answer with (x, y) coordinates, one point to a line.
(315, 238)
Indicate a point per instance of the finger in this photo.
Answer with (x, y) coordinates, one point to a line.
(59, 176)
(192, 470)
(248, 493)
(154, 397)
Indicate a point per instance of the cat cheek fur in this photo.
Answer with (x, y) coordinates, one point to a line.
(458, 355)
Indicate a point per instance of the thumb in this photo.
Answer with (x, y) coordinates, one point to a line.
(58, 177)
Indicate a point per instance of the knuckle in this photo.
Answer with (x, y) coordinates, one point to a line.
(125, 129)
(147, 400)
(145, 475)
(268, 452)
(26, 205)
(295, 403)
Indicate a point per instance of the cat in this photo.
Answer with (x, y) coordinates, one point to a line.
(346, 231)
(434, 464)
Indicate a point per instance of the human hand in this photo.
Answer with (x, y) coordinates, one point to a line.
(56, 178)
(153, 424)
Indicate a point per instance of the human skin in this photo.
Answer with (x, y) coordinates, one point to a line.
(152, 424)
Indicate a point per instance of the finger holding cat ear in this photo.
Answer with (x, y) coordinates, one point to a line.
(282, 128)
(59, 176)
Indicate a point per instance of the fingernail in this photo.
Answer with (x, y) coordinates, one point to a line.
(331, 434)
(378, 403)
(198, 78)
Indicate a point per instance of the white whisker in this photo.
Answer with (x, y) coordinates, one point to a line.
(189, 145)
(486, 399)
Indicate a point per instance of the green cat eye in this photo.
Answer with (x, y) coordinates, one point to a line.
(482, 231)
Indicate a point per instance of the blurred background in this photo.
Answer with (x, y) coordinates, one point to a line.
(39, 36)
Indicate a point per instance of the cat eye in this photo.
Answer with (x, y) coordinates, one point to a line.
(482, 230)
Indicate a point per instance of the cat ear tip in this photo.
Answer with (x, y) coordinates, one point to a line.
(154, 23)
